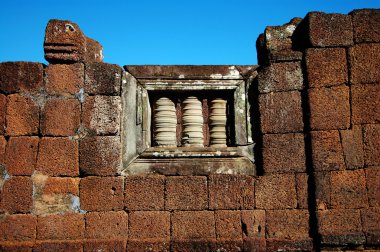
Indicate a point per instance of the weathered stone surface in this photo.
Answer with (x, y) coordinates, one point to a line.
(60, 227)
(144, 192)
(372, 144)
(228, 224)
(22, 116)
(57, 185)
(322, 190)
(255, 244)
(274, 244)
(102, 79)
(276, 192)
(193, 225)
(326, 67)
(283, 153)
(17, 195)
(366, 23)
(281, 112)
(287, 224)
(223, 188)
(371, 225)
(58, 156)
(365, 103)
(149, 225)
(16, 246)
(329, 108)
(114, 245)
(253, 223)
(3, 144)
(3, 112)
(329, 29)
(233, 245)
(101, 114)
(21, 155)
(21, 77)
(149, 245)
(64, 79)
(352, 143)
(60, 117)
(58, 246)
(348, 189)
(102, 193)
(373, 186)
(191, 245)
(365, 63)
(106, 225)
(100, 155)
(327, 151)
(302, 190)
(18, 227)
(186, 193)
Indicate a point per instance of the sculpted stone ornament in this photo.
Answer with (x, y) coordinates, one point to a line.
(192, 122)
(165, 122)
(218, 122)
(65, 42)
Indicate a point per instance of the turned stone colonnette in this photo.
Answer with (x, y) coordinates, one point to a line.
(165, 122)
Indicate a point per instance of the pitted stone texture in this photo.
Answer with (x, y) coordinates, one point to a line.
(322, 190)
(100, 155)
(366, 23)
(3, 111)
(365, 63)
(186, 193)
(193, 225)
(60, 117)
(372, 144)
(228, 224)
(17, 195)
(21, 77)
(149, 225)
(287, 224)
(276, 192)
(59, 185)
(284, 153)
(281, 112)
(329, 29)
(327, 151)
(3, 145)
(231, 192)
(102, 79)
(149, 245)
(61, 227)
(253, 223)
(65, 79)
(58, 156)
(365, 104)
(58, 246)
(326, 67)
(21, 155)
(352, 142)
(101, 114)
(18, 227)
(329, 108)
(278, 77)
(22, 116)
(275, 244)
(114, 245)
(106, 225)
(371, 225)
(373, 186)
(302, 190)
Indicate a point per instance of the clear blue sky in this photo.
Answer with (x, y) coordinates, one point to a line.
(158, 32)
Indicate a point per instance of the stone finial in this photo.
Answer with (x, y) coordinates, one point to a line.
(192, 122)
(165, 122)
(218, 122)
(65, 43)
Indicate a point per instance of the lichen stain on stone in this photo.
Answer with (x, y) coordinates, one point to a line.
(4, 176)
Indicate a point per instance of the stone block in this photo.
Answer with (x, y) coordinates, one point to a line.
(348, 189)
(366, 23)
(149, 245)
(106, 225)
(145, 225)
(278, 77)
(21, 155)
(21, 77)
(113, 245)
(302, 190)
(371, 225)
(329, 108)
(365, 63)
(372, 144)
(102, 193)
(231, 192)
(17, 195)
(145, 192)
(287, 224)
(60, 185)
(255, 244)
(64, 79)
(322, 182)
(186, 193)
(58, 156)
(18, 227)
(100, 155)
(327, 151)
(58, 246)
(253, 223)
(3, 145)
(192, 245)
(274, 244)
(276, 192)
(102, 79)
(329, 29)
(326, 67)
(365, 103)
(101, 114)
(281, 112)
(284, 153)
(60, 117)
(228, 224)
(193, 225)
(340, 227)
(230, 245)
(16, 246)
(3, 112)
(60, 227)
(22, 116)
(352, 143)
(373, 186)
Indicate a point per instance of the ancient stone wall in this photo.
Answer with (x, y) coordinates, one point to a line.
(314, 115)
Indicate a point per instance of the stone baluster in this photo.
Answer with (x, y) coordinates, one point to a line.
(192, 122)
(218, 122)
(165, 122)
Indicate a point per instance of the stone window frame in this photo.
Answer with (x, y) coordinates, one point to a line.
(140, 158)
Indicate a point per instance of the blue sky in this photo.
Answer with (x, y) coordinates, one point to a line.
(158, 32)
